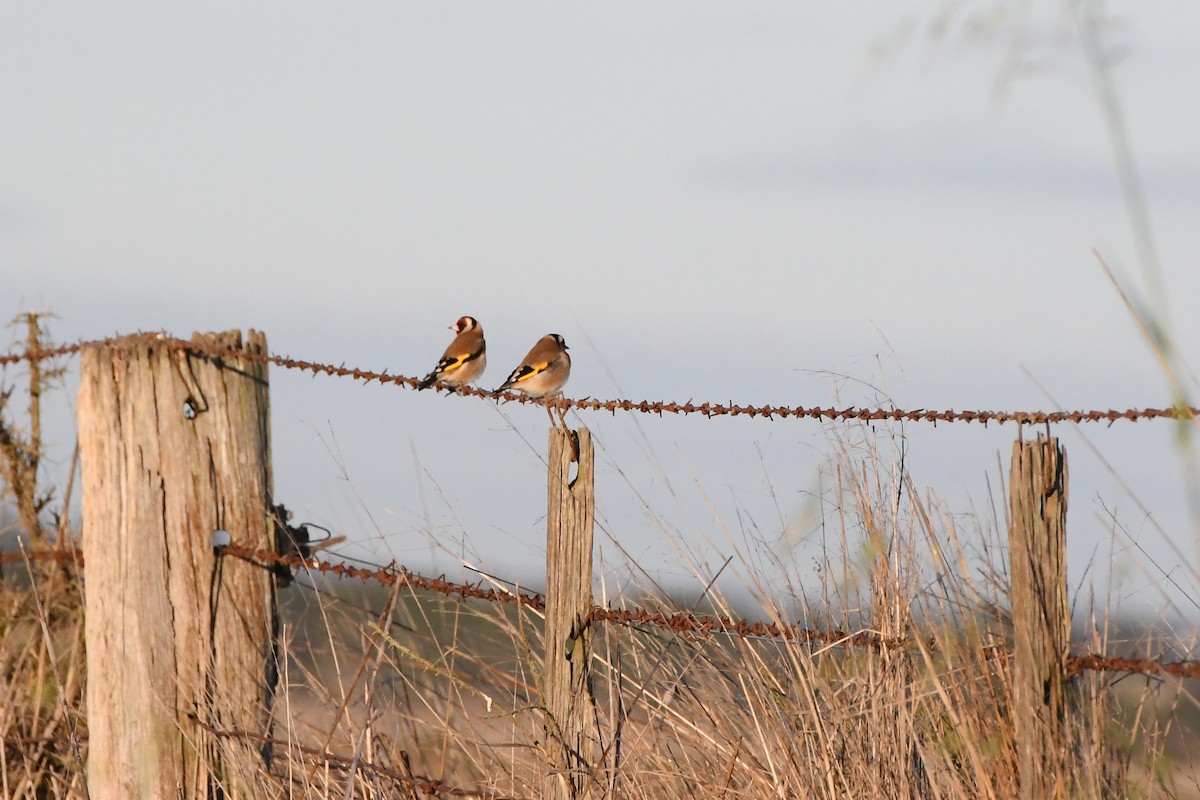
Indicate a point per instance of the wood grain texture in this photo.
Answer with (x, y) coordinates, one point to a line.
(1041, 616)
(173, 634)
(571, 735)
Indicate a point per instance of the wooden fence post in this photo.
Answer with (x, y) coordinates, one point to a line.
(1041, 617)
(179, 642)
(571, 735)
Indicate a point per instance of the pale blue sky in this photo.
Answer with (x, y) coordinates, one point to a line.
(709, 201)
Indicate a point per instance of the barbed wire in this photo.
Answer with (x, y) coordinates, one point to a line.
(1145, 666)
(389, 575)
(43, 353)
(708, 410)
(682, 622)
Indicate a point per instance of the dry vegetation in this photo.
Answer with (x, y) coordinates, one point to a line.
(449, 690)
(381, 693)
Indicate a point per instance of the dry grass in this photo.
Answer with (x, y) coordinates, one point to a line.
(41, 686)
(380, 692)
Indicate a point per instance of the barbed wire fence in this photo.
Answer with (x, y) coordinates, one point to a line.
(657, 407)
(680, 623)
(685, 622)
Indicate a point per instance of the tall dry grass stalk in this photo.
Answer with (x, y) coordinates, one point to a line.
(381, 693)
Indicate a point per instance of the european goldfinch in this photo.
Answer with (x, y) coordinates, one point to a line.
(544, 370)
(464, 359)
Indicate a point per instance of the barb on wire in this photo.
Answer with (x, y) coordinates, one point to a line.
(213, 350)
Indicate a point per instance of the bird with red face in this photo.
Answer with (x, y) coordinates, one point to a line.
(463, 360)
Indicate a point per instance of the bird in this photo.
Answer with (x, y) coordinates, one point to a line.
(543, 371)
(464, 359)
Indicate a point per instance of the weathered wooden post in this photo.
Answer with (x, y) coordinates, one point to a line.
(1041, 617)
(174, 447)
(571, 735)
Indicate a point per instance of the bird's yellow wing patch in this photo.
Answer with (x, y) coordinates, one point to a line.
(529, 371)
(450, 364)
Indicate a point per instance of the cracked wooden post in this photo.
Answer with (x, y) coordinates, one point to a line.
(571, 735)
(1041, 617)
(175, 447)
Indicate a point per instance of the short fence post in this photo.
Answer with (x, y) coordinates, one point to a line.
(179, 643)
(1041, 617)
(571, 735)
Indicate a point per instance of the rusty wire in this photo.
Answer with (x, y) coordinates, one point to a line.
(1144, 666)
(43, 353)
(682, 622)
(689, 623)
(388, 576)
(217, 351)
